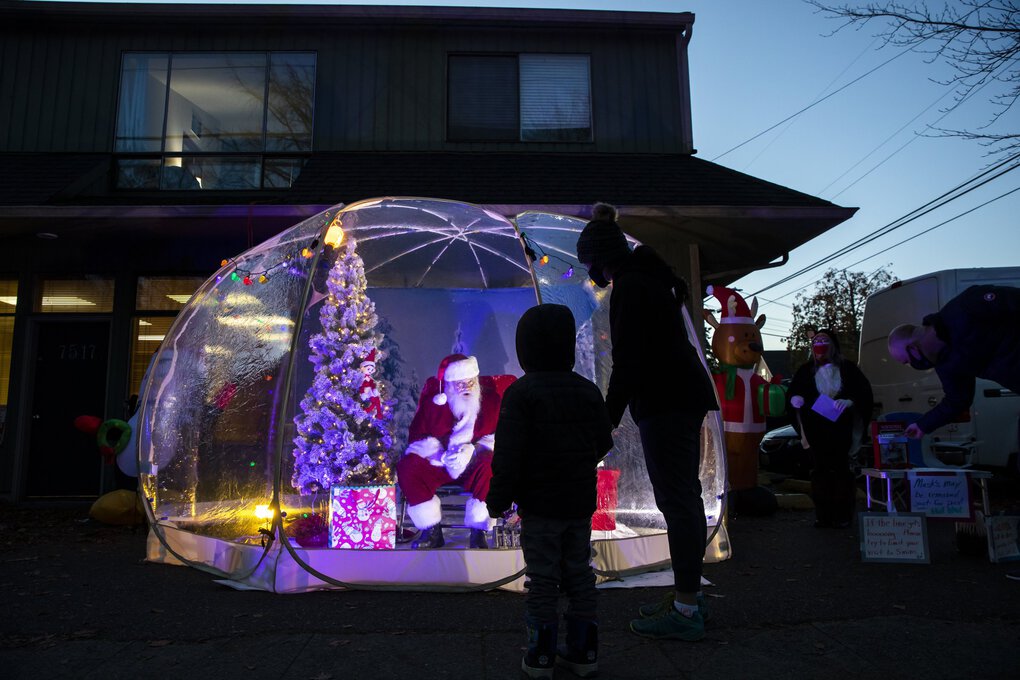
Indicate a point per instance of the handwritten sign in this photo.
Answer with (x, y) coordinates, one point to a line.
(901, 537)
(1003, 538)
(939, 494)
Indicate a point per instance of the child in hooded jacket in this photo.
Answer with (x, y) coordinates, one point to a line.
(553, 430)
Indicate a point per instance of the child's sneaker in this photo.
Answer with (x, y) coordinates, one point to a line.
(666, 603)
(580, 654)
(671, 626)
(540, 658)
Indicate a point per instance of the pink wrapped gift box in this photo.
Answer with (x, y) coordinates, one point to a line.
(363, 517)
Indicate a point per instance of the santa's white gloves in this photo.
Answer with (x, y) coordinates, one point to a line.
(797, 401)
(456, 459)
(844, 404)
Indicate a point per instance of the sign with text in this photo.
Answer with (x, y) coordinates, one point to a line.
(1003, 538)
(894, 537)
(939, 494)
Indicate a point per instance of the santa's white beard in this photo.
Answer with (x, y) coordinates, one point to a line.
(465, 409)
(465, 405)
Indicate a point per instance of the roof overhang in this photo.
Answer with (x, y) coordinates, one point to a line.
(731, 241)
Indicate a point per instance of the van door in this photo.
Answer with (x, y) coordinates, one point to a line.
(898, 388)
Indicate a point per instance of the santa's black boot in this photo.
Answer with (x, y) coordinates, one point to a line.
(540, 658)
(430, 539)
(478, 540)
(580, 654)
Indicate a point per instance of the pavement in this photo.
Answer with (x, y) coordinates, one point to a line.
(79, 601)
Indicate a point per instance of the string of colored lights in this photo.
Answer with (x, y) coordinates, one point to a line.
(334, 237)
(543, 259)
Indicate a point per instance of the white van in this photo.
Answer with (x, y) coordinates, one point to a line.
(989, 437)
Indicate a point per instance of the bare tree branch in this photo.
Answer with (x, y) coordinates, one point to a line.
(979, 39)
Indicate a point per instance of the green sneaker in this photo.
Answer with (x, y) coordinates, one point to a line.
(663, 606)
(672, 626)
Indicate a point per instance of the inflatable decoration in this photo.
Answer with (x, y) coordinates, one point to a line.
(745, 396)
(115, 439)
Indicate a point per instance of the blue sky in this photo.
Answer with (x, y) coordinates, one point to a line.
(755, 63)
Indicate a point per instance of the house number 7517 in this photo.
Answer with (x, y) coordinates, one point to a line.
(77, 352)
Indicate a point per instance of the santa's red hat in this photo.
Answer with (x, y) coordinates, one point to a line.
(370, 359)
(451, 369)
(734, 309)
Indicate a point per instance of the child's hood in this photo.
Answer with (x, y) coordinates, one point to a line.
(545, 339)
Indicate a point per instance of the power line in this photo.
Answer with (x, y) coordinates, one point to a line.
(846, 172)
(938, 202)
(922, 233)
(811, 105)
(928, 126)
(815, 101)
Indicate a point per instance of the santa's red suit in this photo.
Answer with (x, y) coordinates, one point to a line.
(435, 430)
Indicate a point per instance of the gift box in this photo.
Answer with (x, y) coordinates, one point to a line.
(363, 517)
(771, 400)
(604, 518)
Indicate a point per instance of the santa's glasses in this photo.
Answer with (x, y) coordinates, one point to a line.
(465, 385)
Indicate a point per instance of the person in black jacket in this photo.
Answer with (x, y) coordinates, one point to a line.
(832, 400)
(974, 335)
(552, 432)
(658, 374)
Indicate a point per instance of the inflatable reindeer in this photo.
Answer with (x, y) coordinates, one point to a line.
(745, 397)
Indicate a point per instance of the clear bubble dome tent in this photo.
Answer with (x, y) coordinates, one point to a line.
(253, 395)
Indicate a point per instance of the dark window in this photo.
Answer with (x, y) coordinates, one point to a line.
(526, 97)
(229, 121)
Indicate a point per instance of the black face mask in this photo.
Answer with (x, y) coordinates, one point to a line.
(917, 360)
(597, 276)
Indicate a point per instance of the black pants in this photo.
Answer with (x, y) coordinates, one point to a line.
(558, 555)
(672, 447)
(833, 487)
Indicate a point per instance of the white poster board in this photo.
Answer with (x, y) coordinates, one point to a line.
(939, 494)
(1003, 538)
(894, 537)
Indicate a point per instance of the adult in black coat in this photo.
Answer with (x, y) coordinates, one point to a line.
(657, 374)
(974, 335)
(833, 401)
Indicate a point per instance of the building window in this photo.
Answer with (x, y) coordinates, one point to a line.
(214, 121)
(525, 97)
(157, 303)
(91, 295)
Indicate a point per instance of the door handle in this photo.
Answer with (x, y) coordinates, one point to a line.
(906, 398)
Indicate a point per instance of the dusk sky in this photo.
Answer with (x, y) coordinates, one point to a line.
(754, 64)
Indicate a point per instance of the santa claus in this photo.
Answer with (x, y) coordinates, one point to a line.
(450, 441)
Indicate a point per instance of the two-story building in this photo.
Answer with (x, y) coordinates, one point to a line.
(142, 144)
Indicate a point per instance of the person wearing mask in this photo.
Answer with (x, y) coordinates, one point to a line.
(658, 374)
(974, 335)
(832, 401)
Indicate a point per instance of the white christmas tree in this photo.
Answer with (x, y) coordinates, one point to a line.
(338, 441)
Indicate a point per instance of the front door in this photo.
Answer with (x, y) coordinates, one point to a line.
(70, 380)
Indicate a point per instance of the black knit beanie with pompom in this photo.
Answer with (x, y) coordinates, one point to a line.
(602, 241)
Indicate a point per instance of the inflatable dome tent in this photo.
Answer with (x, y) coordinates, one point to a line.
(260, 463)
